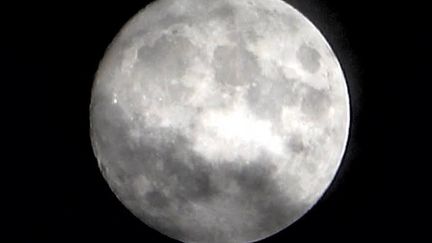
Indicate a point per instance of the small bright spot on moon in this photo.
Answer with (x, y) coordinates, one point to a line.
(115, 99)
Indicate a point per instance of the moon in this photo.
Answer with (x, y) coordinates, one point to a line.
(219, 120)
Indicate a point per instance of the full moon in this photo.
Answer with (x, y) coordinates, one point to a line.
(219, 120)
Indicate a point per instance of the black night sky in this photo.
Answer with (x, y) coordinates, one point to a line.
(50, 53)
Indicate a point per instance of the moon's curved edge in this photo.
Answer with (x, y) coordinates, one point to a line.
(295, 219)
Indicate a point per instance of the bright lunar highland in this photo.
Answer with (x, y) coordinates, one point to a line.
(219, 120)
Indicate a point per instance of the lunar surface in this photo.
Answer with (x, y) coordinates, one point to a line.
(219, 120)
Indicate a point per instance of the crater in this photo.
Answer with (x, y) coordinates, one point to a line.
(225, 12)
(309, 58)
(315, 103)
(159, 60)
(156, 199)
(267, 97)
(296, 145)
(234, 65)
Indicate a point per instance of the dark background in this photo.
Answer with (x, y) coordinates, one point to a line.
(50, 53)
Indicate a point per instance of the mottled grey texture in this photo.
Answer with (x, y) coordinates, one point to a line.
(219, 121)
(309, 58)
